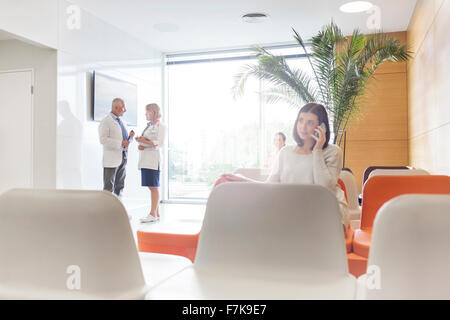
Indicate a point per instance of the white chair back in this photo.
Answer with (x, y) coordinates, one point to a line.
(398, 172)
(52, 241)
(352, 190)
(256, 228)
(410, 252)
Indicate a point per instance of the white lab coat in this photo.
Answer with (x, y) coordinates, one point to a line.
(150, 157)
(111, 138)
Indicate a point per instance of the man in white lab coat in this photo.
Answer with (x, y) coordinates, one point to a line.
(115, 139)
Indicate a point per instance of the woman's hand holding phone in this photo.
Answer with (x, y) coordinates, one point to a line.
(320, 136)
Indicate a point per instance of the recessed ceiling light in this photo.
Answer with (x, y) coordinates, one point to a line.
(356, 6)
(255, 17)
(166, 27)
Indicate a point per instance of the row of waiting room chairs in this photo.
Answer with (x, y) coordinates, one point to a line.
(378, 191)
(346, 181)
(357, 258)
(246, 249)
(154, 242)
(287, 246)
(388, 170)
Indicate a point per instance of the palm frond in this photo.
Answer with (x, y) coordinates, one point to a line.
(241, 78)
(302, 44)
(342, 67)
(276, 71)
(282, 93)
(380, 47)
(324, 48)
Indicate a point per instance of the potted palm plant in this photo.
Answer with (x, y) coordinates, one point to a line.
(341, 68)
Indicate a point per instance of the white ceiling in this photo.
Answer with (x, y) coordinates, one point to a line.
(210, 24)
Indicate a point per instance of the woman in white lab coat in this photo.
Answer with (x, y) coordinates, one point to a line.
(150, 143)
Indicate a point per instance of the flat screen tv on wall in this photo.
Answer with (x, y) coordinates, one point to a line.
(107, 88)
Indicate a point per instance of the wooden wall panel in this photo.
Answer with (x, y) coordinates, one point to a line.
(393, 67)
(379, 135)
(384, 116)
(362, 154)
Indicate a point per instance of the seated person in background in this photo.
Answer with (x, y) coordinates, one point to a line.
(279, 141)
(312, 161)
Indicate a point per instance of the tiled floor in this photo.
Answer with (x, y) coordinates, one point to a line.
(175, 218)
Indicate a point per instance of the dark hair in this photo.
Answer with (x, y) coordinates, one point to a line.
(321, 113)
(282, 135)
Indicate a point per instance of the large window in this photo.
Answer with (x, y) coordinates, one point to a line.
(211, 133)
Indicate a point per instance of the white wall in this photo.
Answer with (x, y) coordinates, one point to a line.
(428, 87)
(71, 156)
(35, 20)
(16, 55)
(68, 153)
(101, 47)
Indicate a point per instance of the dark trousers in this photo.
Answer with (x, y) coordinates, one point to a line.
(114, 178)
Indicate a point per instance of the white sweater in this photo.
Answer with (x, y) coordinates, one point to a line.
(322, 167)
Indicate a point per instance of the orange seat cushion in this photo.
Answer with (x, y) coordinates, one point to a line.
(361, 242)
(357, 265)
(186, 245)
(380, 189)
(349, 233)
(168, 243)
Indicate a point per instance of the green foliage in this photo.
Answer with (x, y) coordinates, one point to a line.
(210, 173)
(341, 68)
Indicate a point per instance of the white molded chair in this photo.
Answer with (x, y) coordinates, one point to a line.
(253, 173)
(352, 194)
(266, 241)
(398, 172)
(50, 239)
(410, 253)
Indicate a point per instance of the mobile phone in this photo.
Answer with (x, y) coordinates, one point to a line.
(324, 127)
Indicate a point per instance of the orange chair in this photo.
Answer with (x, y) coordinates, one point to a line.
(377, 191)
(168, 243)
(186, 244)
(372, 168)
(357, 265)
(171, 243)
(342, 185)
(349, 233)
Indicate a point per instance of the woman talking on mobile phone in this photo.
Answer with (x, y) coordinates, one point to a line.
(313, 160)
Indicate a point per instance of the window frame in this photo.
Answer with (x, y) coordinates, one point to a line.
(172, 59)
